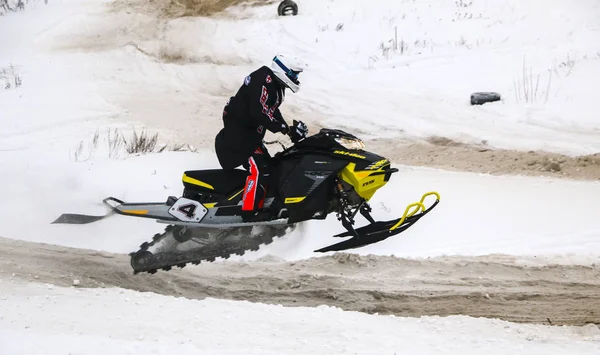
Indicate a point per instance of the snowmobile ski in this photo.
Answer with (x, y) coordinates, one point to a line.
(378, 231)
(157, 210)
(75, 218)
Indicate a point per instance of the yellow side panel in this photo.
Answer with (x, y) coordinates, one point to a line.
(197, 182)
(294, 199)
(363, 184)
(135, 211)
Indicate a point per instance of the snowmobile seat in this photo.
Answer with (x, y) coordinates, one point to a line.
(216, 180)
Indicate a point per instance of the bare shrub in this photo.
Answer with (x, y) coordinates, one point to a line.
(14, 5)
(565, 66)
(11, 6)
(463, 4)
(114, 142)
(81, 153)
(393, 45)
(4, 7)
(117, 144)
(323, 28)
(386, 47)
(183, 147)
(421, 43)
(145, 143)
(527, 87)
(371, 60)
(10, 78)
(462, 42)
(443, 141)
(403, 47)
(142, 143)
(170, 55)
(464, 11)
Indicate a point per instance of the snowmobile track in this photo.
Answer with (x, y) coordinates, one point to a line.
(495, 286)
(208, 253)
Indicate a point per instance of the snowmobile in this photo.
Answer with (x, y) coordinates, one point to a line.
(328, 172)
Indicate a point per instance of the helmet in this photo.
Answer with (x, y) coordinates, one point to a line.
(286, 69)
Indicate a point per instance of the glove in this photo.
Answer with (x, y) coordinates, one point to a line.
(298, 131)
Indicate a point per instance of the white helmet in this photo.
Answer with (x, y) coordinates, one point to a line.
(287, 69)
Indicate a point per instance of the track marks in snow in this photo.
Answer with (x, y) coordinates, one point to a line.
(487, 286)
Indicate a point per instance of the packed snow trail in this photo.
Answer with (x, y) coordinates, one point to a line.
(67, 320)
(488, 286)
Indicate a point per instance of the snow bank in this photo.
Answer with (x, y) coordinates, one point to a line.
(36, 319)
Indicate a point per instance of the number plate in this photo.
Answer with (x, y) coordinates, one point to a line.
(187, 210)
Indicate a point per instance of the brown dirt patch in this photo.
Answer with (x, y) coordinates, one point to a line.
(493, 286)
(181, 8)
(444, 153)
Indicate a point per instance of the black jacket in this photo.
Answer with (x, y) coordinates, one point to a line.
(253, 110)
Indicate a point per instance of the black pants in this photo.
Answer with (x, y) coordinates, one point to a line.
(257, 164)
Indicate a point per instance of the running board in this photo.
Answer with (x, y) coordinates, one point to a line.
(274, 222)
(158, 211)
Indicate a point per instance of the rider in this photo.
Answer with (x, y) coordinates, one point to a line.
(246, 117)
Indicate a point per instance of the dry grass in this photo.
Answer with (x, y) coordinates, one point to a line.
(170, 55)
(142, 143)
(443, 141)
(118, 144)
(10, 77)
(83, 152)
(527, 86)
(11, 6)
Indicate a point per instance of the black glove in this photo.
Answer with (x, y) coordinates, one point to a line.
(298, 131)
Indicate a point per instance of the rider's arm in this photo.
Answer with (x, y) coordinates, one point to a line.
(279, 117)
(264, 94)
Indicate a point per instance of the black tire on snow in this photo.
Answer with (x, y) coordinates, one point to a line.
(287, 8)
(480, 98)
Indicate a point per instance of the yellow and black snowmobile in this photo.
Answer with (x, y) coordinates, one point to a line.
(329, 172)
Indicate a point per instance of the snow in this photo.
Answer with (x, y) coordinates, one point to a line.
(478, 214)
(351, 84)
(85, 70)
(109, 83)
(37, 319)
(108, 63)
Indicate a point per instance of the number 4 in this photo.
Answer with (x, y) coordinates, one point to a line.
(189, 210)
